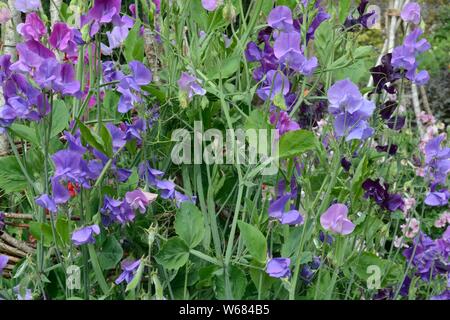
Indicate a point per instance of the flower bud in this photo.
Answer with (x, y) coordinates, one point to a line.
(229, 12)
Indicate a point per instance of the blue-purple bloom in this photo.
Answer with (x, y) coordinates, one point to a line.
(380, 194)
(277, 210)
(351, 111)
(190, 85)
(280, 18)
(102, 12)
(85, 235)
(116, 211)
(130, 86)
(46, 202)
(279, 267)
(3, 262)
(211, 5)
(129, 268)
(411, 13)
(27, 5)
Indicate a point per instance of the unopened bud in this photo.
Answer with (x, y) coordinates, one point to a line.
(229, 12)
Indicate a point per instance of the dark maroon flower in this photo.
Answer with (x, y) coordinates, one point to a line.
(384, 75)
(392, 149)
(365, 20)
(379, 193)
(346, 164)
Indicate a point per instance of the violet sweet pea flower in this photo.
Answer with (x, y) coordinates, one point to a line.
(411, 13)
(279, 268)
(275, 83)
(148, 173)
(27, 5)
(46, 202)
(139, 199)
(130, 86)
(211, 5)
(85, 235)
(116, 211)
(33, 28)
(335, 220)
(3, 262)
(190, 85)
(280, 18)
(102, 12)
(351, 111)
(277, 211)
(437, 198)
(129, 268)
(166, 188)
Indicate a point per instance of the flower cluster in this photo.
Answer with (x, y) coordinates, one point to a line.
(351, 111)
(380, 194)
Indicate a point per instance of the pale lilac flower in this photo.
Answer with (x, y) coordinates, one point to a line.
(277, 210)
(166, 188)
(335, 220)
(281, 18)
(190, 85)
(3, 262)
(28, 295)
(411, 228)
(211, 5)
(139, 199)
(411, 13)
(28, 5)
(129, 268)
(443, 220)
(279, 267)
(46, 202)
(437, 198)
(85, 235)
(33, 28)
(5, 15)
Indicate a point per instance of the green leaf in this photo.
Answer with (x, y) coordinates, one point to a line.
(137, 278)
(294, 143)
(174, 254)
(42, 232)
(344, 10)
(254, 241)
(238, 283)
(134, 44)
(11, 176)
(257, 120)
(63, 230)
(107, 140)
(358, 178)
(111, 253)
(60, 117)
(226, 68)
(390, 272)
(87, 136)
(189, 224)
(25, 132)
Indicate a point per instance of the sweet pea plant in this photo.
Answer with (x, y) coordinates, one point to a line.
(95, 207)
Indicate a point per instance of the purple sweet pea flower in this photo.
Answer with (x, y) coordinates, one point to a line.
(28, 5)
(335, 220)
(118, 34)
(279, 267)
(211, 5)
(437, 198)
(275, 83)
(70, 166)
(365, 20)
(102, 12)
(253, 52)
(180, 198)
(85, 235)
(59, 77)
(351, 111)
(280, 18)
(139, 199)
(60, 193)
(31, 55)
(166, 188)
(3, 262)
(129, 268)
(443, 296)
(33, 28)
(116, 211)
(190, 85)
(46, 202)
(7, 117)
(66, 40)
(2, 220)
(411, 13)
(437, 160)
(148, 173)
(277, 211)
(283, 123)
(130, 86)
